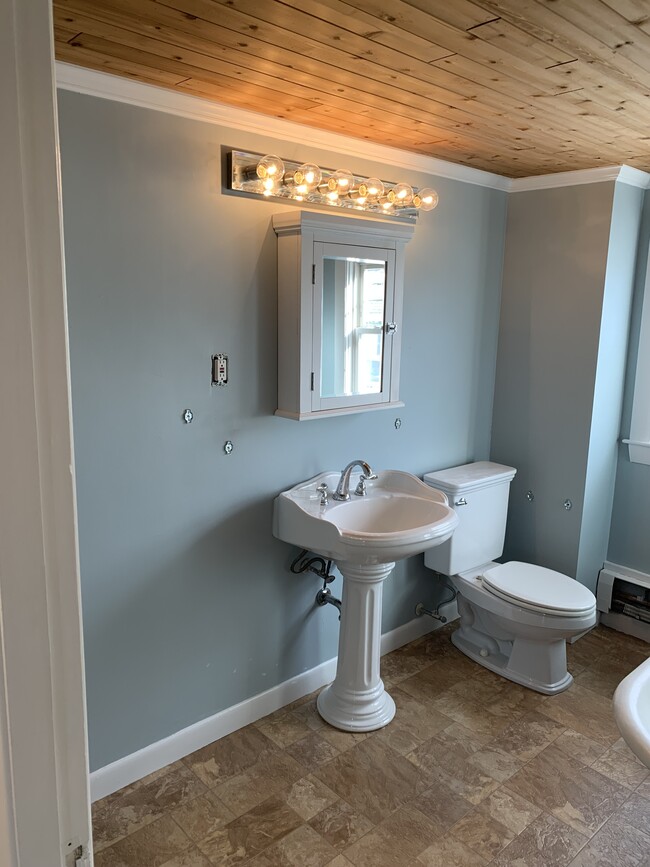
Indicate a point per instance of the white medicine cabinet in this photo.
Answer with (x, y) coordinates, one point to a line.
(340, 287)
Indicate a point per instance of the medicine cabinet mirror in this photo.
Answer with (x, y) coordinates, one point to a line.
(340, 283)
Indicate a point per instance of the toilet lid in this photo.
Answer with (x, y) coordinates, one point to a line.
(538, 588)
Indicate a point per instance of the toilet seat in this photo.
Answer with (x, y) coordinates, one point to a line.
(539, 589)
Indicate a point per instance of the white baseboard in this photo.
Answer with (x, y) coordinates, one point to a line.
(110, 778)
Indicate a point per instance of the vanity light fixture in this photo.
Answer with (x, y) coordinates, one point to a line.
(269, 176)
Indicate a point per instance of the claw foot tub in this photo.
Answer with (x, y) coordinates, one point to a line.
(632, 711)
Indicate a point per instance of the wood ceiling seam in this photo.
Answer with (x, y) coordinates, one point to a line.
(539, 19)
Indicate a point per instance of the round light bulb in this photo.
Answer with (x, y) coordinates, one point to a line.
(401, 194)
(344, 180)
(425, 199)
(308, 175)
(374, 187)
(270, 168)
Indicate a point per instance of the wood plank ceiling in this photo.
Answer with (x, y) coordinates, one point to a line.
(517, 87)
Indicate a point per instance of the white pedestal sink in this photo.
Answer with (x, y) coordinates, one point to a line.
(398, 517)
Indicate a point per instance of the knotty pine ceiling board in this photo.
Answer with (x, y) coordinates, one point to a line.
(517, 87)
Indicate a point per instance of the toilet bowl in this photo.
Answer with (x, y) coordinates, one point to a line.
(523, 636)
(515, 618)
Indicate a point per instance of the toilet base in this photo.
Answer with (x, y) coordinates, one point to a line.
(500, 664)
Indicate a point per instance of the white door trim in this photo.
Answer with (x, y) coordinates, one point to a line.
(44, 799)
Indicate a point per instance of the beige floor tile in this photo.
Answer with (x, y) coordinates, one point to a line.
(342, 741)
(622, 768)
(341, 825)
(397, 840)
(546, 842)
(496, 763)
(429, 683)
(585, 712)
(580, 747)
(413, 724)
(400, 664)
(372, 778)
(606, 674)
(272, 773)
(510, 809)
(251, 833)
(308, 796)
(283, 729)
(138, 805)
(340, 861)
(635, 812)
(313, 751)
(202, 816)
(447, 758)
(482, 833)
(644, 789)
(462, 707)
(617, 843)
(301, 848)
(527, 736)
(308, 713)
(230, 756)
(154, 846)
(443, 806)
(514, 702)
(575, 794)
(449, 852)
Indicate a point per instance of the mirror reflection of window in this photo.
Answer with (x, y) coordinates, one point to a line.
(354, 298)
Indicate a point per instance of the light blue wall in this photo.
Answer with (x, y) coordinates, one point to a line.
(629, 543)
(188, 603)
(567, 289)
(609, 382)
(553, 280)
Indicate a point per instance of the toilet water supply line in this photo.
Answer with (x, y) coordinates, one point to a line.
(319, 567)
(420, 609)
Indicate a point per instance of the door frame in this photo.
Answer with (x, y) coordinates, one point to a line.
(44, 791)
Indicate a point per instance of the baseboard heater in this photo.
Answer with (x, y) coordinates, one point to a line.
(623, 600)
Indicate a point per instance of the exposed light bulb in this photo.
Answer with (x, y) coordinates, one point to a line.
(374, 187)
(344, 180)
(308, 175)
(425, 199)
(400, 194)
(270, 168)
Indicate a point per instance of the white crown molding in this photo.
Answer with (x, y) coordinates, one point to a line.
(101, 84)
(622, 174)
(104, 781)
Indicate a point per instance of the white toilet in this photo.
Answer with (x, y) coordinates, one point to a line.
(514, 617)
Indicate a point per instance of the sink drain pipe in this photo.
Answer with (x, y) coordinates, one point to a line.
(319, 567)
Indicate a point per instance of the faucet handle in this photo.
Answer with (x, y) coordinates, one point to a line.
(323, 490)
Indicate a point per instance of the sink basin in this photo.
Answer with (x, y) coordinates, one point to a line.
(400, 516)
(632, 711)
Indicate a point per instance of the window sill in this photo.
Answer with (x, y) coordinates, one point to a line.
(639, 451)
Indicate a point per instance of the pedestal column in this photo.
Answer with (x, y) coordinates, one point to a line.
(356, 701)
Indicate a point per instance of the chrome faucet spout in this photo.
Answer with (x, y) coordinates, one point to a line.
(343, 487)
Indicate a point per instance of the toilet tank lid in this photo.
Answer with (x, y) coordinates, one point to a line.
(470, 477)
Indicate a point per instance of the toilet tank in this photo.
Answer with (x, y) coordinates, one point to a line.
(479, 494)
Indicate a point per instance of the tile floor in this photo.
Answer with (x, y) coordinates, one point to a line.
(473, 770)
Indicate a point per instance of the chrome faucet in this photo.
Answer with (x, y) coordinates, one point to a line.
(343, 488)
